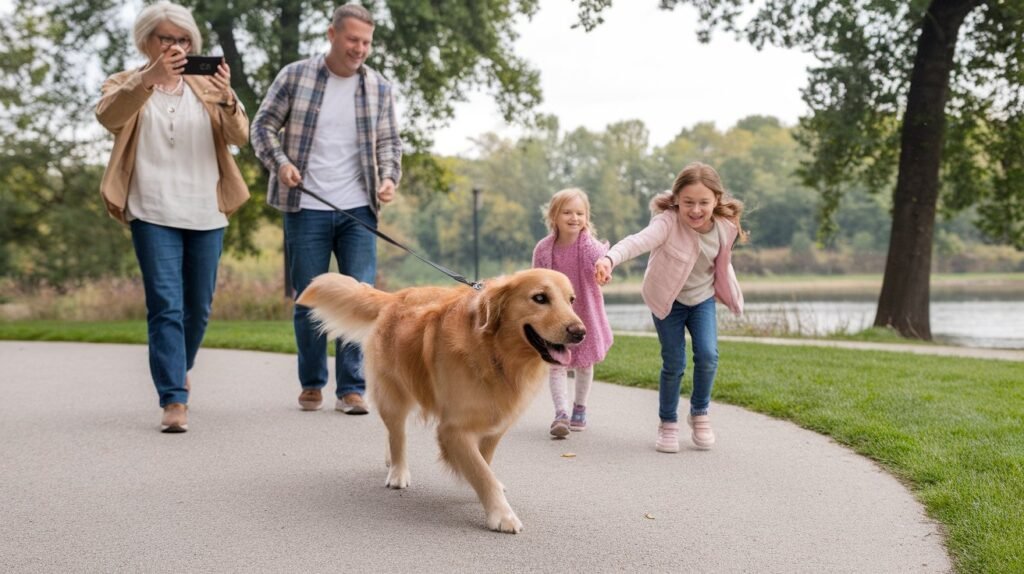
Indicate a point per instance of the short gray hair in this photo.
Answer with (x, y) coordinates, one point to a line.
(151, 17)
(351, 11)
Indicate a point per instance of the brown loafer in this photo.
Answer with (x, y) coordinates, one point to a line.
(311, 399)
(175, 418)
(351, 404)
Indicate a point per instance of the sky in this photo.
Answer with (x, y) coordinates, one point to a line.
(641, 63)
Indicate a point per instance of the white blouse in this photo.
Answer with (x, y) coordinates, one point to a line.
(174, 182)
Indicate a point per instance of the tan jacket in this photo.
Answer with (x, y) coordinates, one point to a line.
(118, 111)
(674, 248)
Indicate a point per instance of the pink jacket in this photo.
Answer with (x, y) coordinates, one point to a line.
(674, 247)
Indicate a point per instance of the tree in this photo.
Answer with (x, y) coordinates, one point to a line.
(53, 226)
(930, 89)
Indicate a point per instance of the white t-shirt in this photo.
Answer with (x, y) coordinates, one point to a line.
(700, 285)
(334, 170)
(175, 178)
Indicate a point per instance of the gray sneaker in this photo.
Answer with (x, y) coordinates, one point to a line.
(351, 404)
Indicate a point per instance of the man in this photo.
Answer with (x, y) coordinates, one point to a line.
(328, 124)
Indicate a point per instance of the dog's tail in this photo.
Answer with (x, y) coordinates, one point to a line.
(343, 307)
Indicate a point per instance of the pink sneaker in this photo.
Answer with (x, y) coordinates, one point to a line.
(668, 437)
(703, 437)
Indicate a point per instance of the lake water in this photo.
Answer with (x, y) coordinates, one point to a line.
(996, 324)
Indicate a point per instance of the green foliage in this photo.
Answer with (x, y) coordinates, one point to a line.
(54, 225)
(858, 92)
(929, 86)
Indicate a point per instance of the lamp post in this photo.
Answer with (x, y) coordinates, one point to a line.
(476, 233)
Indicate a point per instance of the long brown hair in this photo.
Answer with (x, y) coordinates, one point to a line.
(726, 206)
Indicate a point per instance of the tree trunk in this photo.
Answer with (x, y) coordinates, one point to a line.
(903, 302)
(291, 15)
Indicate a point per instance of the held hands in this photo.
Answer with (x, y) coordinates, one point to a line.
(603, 270)
(166, 69)
(386, 192)
(289, 175)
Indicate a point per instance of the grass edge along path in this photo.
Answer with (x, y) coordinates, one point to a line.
(952, 429)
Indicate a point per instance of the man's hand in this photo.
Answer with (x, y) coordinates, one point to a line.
(289, 175)
(386, 193)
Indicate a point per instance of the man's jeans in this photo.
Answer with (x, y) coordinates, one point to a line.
(700, 320)
(311, 236)
(179, 273)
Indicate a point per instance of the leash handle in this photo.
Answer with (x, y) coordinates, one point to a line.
(474, 284)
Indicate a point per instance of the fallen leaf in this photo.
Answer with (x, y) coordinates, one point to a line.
(649, 516)
(568, 455)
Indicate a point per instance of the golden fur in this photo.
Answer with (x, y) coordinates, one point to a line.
(471, 361)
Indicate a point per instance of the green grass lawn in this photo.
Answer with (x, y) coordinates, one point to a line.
(951, 428)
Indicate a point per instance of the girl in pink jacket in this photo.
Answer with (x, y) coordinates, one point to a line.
(690, 239)
(573, 249)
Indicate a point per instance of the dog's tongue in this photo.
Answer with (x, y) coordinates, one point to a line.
(561, 356)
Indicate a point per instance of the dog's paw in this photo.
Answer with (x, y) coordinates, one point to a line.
(397, 478)
(504, 521)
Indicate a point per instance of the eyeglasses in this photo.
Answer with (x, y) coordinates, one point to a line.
(166, 41)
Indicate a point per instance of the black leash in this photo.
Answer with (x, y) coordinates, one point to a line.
(474, 284)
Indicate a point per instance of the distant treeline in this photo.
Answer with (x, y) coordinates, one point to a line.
(757, 159)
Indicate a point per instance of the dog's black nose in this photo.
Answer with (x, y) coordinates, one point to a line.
(576, 333)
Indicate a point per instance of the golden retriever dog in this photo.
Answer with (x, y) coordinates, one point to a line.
(471, 361)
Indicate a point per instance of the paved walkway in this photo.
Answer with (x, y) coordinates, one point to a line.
(87, 484)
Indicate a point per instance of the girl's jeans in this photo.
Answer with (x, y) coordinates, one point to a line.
(179, 273)
(701, 322)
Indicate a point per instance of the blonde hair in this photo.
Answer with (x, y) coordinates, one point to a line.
(558, 201)
(726, 205)
(151, 17)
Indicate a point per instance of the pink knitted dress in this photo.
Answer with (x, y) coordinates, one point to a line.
(577, 261)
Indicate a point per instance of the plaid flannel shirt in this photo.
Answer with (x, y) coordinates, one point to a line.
(282, 130)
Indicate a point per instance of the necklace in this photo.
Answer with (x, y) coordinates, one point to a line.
(172, 100)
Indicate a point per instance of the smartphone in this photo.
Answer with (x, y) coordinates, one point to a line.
(201, 65)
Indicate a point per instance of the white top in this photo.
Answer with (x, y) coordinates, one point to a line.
(334, 170)
(700, 285)
(175, 179)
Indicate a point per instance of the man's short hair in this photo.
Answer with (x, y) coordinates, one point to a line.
(351, 11)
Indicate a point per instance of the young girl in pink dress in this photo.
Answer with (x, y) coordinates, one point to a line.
(573, 248)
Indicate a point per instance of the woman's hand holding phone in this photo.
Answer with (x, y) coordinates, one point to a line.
(222, 80)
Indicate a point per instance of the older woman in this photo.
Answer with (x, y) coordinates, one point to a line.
(172, 178)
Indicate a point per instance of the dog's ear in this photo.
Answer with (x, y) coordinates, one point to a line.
(489, 305)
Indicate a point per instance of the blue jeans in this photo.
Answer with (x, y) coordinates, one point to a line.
(179, 273)
(700, 320)
(311, 237)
